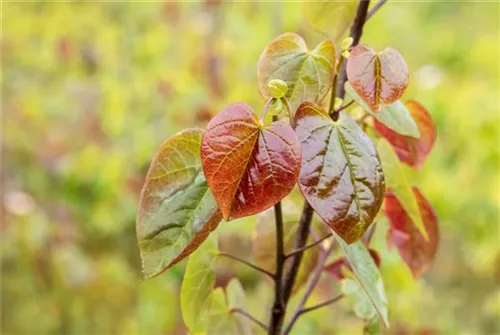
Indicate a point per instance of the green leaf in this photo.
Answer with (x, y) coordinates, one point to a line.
(264, 246)
(368, 276)
(331, 17)
(176, 209)
(220, 320)
(308, 74)
(395, 116)
(236, 300)
(398, 184)
(196, 289)
(341, 176)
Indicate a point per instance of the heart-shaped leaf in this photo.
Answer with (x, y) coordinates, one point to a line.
(176, 209)
(264, 247)
(367, 274)
(249, 167)
(308, 74)
(394, 116)
(415, 251)
(412, 151)
(331, 17)
(196, 289)
(379, 78)
(399, 184)
(341, 176)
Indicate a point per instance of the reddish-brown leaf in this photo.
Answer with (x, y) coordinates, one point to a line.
(412, 151)
(335, 268)
(249, 167)
(341, 176)
(379, 78)
(415, 251)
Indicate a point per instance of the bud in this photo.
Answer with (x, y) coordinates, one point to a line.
(277, 88)
(346, 43)
(346, 54)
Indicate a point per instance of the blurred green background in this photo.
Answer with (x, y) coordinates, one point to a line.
(91, 89)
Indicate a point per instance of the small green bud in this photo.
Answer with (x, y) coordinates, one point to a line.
(346, 43)
(277, 88)
(346, 54)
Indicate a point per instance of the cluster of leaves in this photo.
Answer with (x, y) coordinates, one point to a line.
(345, 166)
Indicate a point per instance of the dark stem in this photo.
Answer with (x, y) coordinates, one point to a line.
(308, 246)
(256, 321)
(253, 266)
(310, 287)
(375, 8)
(323, 304)
(279, 309)
(356, 32)
(300, 241)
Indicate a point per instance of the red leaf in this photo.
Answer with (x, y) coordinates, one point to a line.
(415, 251)
(249, 167)
(379, 78)
(335, 267)
(412, 151)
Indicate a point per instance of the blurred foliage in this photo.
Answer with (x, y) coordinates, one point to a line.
(91, 89)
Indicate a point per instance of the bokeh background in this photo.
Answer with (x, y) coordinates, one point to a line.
(91, 89)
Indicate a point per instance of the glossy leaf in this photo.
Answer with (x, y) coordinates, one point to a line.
(176, 210)
(398, 184)
(264, 247)
(412, 151)
(379, 78)
(363, 307)
(219, 318)
(196, 289)
(249, 167)
(337, 267)
(308, 74)
(367, 274)
(341, 176)
(330, 17)
(394, 116)
(236, 299)
(415, 251)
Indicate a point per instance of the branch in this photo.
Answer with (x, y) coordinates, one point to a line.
(345, 106)
(253, 266)
(294, 252)
(356, 32)
(242, 312)
(310, 287)
(300, 241)
(278, 311)
(375, 8)
(323, 304)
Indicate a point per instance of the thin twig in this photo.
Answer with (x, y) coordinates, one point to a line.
(279, 309)
(310, 245)
(236, 258)
(375, 8)
(249, 316)
(345, 106)
(323, 304)
(310, 287)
